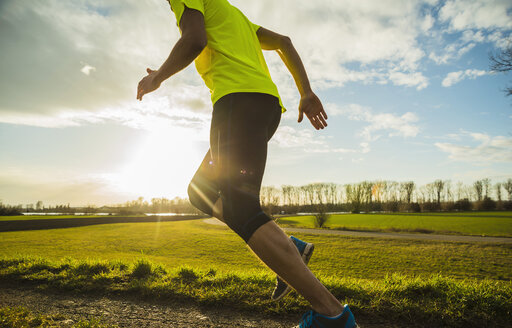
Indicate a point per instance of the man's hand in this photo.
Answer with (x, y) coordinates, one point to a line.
(148, 84)
(312, 107)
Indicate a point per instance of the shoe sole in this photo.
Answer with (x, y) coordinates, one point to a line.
(306, 256)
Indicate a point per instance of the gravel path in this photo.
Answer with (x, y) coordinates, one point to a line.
(143, 313)
(418, 236)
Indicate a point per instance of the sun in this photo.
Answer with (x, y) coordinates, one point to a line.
(162, 164)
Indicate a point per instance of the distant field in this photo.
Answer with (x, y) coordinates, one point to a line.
(204, 246)
(466, 223)
(46, 217)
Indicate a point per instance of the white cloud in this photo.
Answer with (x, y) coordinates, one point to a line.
(451, 52)
(81, 56)
(455, 77)
(289, 137)
(330, 35)
(415, 79)
(309, 142)
(395, 125)
(468, 14)
(487, 150)
(87, 69)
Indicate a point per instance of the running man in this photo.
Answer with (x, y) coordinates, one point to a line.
(227, 50)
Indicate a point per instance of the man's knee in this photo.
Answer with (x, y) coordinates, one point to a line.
(198, 199)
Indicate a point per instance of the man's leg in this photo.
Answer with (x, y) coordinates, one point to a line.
(203, 191)
(242, 124)
(277, 251)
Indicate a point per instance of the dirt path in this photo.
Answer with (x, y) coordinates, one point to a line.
(142, 313)
(418, 236)
(134, 313)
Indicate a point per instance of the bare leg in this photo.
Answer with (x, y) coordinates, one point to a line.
(275, 249)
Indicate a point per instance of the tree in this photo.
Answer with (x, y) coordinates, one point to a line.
(502, 63)
(486, 184)
(498, 190)
(439, 186)
(407, 189)
(508, 187)
(460, 187)
(39, 205)
(478, 185)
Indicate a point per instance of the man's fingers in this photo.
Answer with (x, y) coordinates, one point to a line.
(322, 120)
(301, 116)
(314, 123)
(324, 114)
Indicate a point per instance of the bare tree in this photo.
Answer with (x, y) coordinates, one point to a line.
(448, 191)
(508, 187)
(438, 187)
(478, 185)
(502, 63)
(377, 190)
(407, 189)
(486, 184)
(460, 187)
(497, 186)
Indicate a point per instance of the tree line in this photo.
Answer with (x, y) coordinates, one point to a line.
(365, 196)
(392, 196)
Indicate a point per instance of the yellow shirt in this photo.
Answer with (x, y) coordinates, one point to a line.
(233, 60)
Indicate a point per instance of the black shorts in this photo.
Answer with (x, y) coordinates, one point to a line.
(232, 170)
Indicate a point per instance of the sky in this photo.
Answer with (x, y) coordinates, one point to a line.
(406, 85)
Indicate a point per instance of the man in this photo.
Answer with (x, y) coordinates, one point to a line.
(227, 49)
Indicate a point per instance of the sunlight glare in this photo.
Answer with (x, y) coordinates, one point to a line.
(162, 164)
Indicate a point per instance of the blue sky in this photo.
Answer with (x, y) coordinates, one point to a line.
(406, 85)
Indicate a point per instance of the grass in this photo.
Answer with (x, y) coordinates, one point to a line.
(47, 217)
(419, 302)
(498, 224)
(204, 246)
(416, 283)
(21, 317)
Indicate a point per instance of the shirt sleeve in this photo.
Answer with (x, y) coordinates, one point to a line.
(178, 7)
(254, 27)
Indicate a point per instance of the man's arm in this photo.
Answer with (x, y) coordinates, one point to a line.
(309, 102)
(192, 42)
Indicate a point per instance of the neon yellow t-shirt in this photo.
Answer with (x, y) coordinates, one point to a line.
(233, 60)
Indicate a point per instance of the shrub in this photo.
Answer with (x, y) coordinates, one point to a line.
(9, 210)
(507, 205)
(391, 206)
(487, 204)
(463, 205)
(409, 207)
(448, 206)
(430, 207)
(321, 217)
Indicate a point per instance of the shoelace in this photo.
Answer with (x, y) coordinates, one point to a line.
(307, 320)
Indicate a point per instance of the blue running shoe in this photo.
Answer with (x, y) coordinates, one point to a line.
(306, 250)
(314, 320)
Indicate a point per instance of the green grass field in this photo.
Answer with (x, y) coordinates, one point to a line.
(42, 217)
(455, 284)
(464, 223)
(204, 246)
